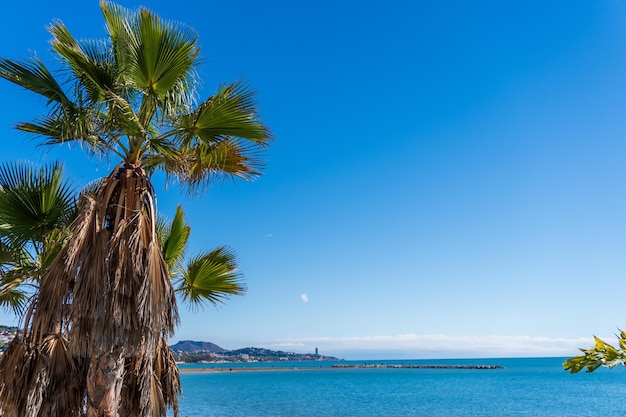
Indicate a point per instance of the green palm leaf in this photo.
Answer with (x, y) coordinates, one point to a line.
(156, 58)
(13, 299)
(163, 57)
(89, 61)
(33, 201)
(174, 237)
(231, 156)
(210, 277)
(36, 206)
(222, 138)
(229, 112)
(74, 124)
(127, 119)
(6, 256)
(34, 76)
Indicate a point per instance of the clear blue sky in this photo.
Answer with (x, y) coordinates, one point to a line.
(447, 177)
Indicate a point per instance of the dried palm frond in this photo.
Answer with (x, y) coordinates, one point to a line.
(23, 379)
(166, 371)
(159, 378)
(68, 375)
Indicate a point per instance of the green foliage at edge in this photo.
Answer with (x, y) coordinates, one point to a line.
(602, 354)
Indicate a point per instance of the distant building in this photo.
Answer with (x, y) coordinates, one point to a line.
(316, 351)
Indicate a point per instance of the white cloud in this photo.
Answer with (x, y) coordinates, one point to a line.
(414, 346)
(304, 297)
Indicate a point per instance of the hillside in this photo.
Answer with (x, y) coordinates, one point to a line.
(189, 346)
(191, 351)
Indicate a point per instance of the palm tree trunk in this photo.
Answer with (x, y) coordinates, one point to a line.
(104, 384)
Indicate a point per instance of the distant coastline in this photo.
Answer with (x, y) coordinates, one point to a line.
(189, 351)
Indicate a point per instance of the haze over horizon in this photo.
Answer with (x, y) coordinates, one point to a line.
(446, 180)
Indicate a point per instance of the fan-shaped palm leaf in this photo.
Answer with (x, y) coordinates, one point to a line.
(210, 277)
(33, 201)
(34, 76)
(89, 61)
(13, 298)
(229, 112)
(36, 206)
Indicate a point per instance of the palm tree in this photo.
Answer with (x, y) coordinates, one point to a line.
(96, 335)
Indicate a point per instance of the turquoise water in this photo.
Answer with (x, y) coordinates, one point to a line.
(525, 387)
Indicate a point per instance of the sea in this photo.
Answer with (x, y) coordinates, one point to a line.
(522, 387)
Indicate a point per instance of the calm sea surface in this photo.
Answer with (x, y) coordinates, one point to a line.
(525, 387)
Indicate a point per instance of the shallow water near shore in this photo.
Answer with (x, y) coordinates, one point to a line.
(524, 387)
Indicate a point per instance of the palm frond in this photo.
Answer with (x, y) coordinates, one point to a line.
(210, 277)
(232, 156)
(229, 112)
(156, 58)
(125, 116)
(24, 379)
(66, 391)
(66, 120)
(13, 256)
(119, 24)
(163, 56)
(89, 61)
(33, 200)
(223, 138)
(166, 372)
(53, 244)
(6, 252)
(34, 76)
(198, 168)
(13, 299)
(161, 153)
(72, 125)
(175, 236)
